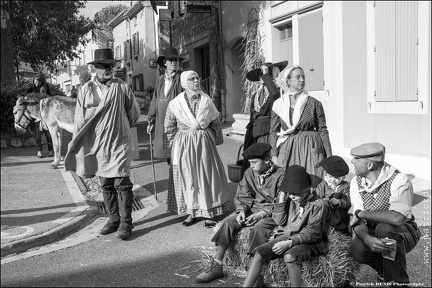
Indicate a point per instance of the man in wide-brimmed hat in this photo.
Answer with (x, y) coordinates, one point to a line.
(167, 87)
(304, 236)
(258, 128)
(106, 110)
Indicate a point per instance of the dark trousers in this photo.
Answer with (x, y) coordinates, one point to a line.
(258, 235)
(38, 137)
(406, 237)
(118, 197)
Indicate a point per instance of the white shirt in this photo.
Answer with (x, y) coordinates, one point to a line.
(401, 191)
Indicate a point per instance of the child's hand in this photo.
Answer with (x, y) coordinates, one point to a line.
(254, 218)
(240, 217)
(282, 196)
(335, 202)
(281, 247)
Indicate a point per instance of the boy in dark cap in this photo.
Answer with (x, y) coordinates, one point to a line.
(381, 198)
(335, 190)
(306, 221)
(255, 194)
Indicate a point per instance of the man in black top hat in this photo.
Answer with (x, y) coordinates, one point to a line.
(167, 87)
(106, 109)
(255, 194)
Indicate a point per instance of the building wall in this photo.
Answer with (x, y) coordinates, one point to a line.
(406, 136)
(345, 94)
(147, 46)
(143, 23)
(234, 15)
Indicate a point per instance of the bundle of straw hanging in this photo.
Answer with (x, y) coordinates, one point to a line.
(336, 269)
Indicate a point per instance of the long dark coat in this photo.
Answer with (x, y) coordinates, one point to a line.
(157, 111)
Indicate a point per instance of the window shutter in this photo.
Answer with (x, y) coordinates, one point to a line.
(407, 50)
(125, 50)
(396, 51)
(136, 43)
(311, 47)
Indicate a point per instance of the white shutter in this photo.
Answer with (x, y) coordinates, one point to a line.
(395, 51)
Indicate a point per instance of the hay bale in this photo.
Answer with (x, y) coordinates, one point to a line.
(336, 269)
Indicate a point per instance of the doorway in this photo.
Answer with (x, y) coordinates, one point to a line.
(203, 67)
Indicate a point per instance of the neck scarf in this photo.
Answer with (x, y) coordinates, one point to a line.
(207, 111)
(282, 108)
(266, 173)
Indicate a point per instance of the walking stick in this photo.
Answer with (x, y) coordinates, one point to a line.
(151, 157)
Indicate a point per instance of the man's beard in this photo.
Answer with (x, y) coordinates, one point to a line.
(106, 77)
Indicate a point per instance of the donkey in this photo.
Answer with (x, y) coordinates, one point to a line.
(56, 112)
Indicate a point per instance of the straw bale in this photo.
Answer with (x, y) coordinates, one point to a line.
(336, 269)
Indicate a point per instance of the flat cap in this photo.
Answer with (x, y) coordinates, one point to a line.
(373, 151)
(257, 151)
(335, 166)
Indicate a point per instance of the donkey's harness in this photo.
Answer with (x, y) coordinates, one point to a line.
(23, 108)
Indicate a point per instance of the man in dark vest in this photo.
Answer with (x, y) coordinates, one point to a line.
(381, 199)
(167, 87)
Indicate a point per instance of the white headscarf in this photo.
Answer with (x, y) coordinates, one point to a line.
(184, 82)
(282, 107)
(206, 113)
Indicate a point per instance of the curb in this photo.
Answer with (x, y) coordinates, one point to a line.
(49, 236)
(79, 220)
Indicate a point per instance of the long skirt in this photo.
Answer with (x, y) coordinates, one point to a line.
(305, 149)
(197, 180)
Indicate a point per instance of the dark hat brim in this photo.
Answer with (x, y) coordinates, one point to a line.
(160, 59)
(104, 62)
(255, 74)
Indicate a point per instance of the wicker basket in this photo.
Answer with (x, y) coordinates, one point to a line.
(234, 170)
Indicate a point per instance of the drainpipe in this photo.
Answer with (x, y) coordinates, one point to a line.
(131, 46)
(223, 84)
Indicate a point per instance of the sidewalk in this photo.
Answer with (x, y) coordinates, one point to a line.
(39, 204)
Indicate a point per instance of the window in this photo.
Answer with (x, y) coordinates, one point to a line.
(127, 51)
(118, 52)
(285, 31)
(397, 40)
(135, 41)
(138, 83)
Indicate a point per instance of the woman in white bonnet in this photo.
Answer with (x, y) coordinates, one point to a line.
(197, 185)
(298, 130)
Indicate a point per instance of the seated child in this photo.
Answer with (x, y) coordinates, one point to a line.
(306, 221)
(255, 195)
(335, 189)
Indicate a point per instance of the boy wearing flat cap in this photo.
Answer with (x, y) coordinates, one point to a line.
(381, 199)
(255, 195)
(306, 221)
(335, 190)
